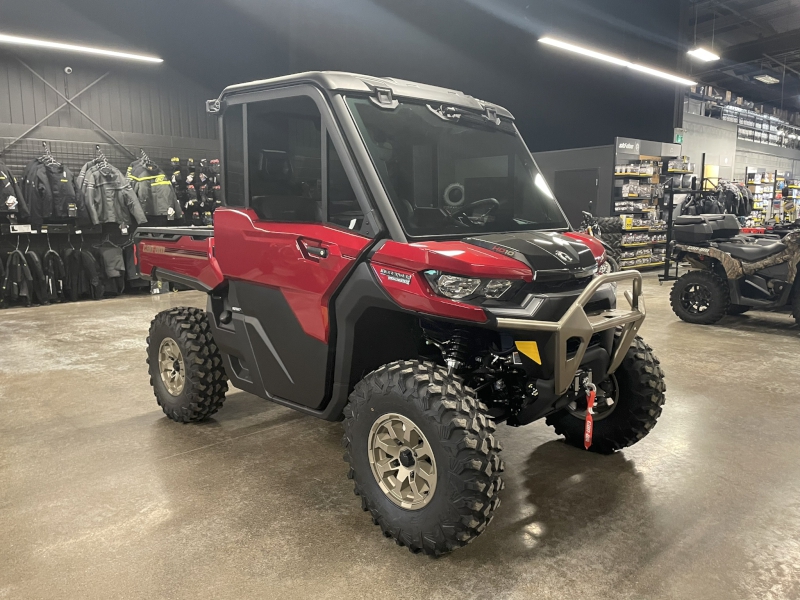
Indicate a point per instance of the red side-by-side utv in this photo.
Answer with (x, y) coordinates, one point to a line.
(389, 254)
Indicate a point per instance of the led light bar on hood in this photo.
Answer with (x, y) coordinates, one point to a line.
(616, 61)
(23, 41)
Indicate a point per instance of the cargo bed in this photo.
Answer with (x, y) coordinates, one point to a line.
(183, 255)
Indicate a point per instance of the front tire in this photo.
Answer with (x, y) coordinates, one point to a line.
(638, 398)
(409, 414)
(700, 297)
(185, 365)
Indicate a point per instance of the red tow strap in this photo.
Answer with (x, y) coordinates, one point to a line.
(589, 425)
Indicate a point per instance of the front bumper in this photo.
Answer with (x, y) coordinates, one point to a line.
(576, 323)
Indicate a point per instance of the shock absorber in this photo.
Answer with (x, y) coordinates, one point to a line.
(456, 351)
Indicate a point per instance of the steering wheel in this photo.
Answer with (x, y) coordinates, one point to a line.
(477, 212)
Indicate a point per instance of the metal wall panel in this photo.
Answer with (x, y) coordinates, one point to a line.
(151, 100)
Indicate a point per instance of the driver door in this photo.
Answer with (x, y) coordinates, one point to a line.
(287, 250)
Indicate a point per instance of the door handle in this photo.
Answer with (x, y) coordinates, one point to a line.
(317, 251)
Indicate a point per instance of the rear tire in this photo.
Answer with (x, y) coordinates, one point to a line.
(195, 388)
(463, 455)
(700, 297)
(640, 397)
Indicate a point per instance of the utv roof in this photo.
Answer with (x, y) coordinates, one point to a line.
(336, 81)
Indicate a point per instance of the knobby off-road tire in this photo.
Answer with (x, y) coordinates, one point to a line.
(711, 286)
(610, 224)
(461, 438)
(204, 381)
(640, 397)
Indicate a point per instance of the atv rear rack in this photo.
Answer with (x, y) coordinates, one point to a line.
(577, 324)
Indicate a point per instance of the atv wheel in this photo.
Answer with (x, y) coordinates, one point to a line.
(737, 309)
(185, 366)
(423, 456)
(700, 297)
(636, 390)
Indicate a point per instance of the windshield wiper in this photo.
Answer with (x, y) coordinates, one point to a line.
(487, 120)
(446, 113)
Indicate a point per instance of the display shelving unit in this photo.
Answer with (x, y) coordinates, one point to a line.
(764, 187)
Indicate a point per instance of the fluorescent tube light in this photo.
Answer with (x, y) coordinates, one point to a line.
(22, 41)
(768, 79)
(703, 54)
(616, 61)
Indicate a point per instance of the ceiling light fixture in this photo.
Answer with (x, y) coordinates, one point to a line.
(768, 79)
(615, 60)
(703, 55)
(22, 41)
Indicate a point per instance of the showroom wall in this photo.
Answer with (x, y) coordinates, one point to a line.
(147, 106)
(487, 48)
(718, 139)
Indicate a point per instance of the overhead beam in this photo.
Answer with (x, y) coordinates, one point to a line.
(760, 23)
(773, 45)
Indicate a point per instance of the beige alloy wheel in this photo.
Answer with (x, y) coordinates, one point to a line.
(402, 461)
(171, 367)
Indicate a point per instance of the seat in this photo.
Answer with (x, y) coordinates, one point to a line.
(751, 252)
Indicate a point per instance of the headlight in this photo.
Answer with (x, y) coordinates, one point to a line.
(496, 288)
(457, 287)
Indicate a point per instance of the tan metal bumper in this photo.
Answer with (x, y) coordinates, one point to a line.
(577, 324)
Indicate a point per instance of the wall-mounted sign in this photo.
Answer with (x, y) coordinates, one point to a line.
(628, 146)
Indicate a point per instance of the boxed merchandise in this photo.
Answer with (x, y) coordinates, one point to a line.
(680, 164)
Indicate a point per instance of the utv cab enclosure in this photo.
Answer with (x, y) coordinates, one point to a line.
(389, 254)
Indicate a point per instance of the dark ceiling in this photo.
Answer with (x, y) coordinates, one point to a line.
(487, 48)
(753, 37)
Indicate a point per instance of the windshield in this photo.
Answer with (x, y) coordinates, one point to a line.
(449, 172)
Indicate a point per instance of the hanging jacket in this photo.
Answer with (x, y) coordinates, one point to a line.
(109, 197)
(18, 280)
(11, 199)
(49, 190)
(91, 270)
(37, 192)
(65, 201)
(74, 281)
(38, 282)
(55, 276)
(112, 266)
(153, 189)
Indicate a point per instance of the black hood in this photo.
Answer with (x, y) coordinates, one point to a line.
(550, 255)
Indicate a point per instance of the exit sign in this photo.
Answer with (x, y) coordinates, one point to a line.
(679, 135)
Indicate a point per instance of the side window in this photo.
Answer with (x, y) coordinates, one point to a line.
(233, 178)
(343, 207)
(284, 149)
